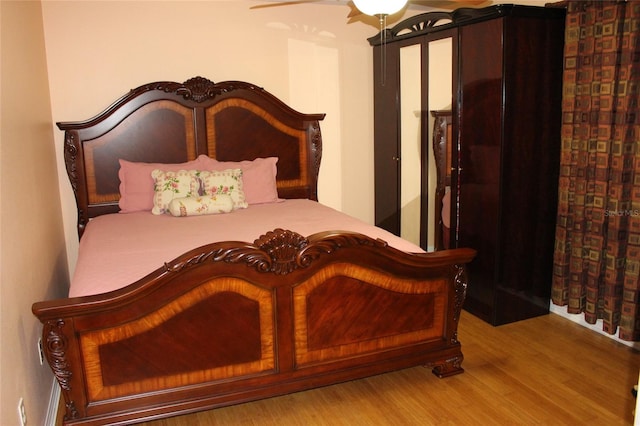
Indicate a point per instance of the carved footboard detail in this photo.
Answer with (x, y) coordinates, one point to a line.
(279, 251)
(460, 283)
(232, 322)
(56, 353)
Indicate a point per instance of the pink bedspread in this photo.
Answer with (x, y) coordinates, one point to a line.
(118, 249)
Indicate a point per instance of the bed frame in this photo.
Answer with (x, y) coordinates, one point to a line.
(232, 322)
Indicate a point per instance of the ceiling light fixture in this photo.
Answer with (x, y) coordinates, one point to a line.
(379, 8)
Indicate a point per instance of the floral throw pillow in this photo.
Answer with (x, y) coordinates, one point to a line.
(258, 176)
(136, 183)
(227, 182)
(202, 204)
(170, 185)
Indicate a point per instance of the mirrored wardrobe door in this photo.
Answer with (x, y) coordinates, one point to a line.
(411, 93)
(416, 77)
(440, 98)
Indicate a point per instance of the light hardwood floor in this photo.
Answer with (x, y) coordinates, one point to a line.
(543, 371)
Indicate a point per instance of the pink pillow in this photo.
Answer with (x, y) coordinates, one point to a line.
(136, 183)
(258, 176)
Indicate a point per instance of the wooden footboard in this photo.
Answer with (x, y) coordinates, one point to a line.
(233, 322)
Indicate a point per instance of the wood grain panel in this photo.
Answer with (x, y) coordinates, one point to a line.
(237, 130)
(170, 140)
(229, 321)
(365, 316)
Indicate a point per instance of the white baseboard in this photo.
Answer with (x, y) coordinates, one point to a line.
(597, 327)
(54, 403)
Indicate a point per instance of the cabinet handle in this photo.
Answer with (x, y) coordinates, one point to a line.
(395, 158)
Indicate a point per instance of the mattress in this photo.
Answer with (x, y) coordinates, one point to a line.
(119, 249)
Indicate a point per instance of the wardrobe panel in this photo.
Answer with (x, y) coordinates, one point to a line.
(404, 161)
(440, 98)
(480, 127)
(511, 82)
(531, 163)
(386, 143)
(410, 141)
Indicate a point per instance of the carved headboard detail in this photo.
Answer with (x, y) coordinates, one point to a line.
(169, 122)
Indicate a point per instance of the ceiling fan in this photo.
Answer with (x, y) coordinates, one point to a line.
(381, 8)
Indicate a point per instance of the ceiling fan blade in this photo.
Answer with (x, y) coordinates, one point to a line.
(354, 12)
(282, 3)
(450, 4)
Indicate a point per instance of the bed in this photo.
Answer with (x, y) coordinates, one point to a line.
(231, 318)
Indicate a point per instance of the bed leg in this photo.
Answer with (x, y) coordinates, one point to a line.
(448, 367)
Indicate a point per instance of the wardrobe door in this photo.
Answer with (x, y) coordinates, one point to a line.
(480, 127)
(530, 163)
(386, 142)
(400, 94)
(411, 77)
(438, 175)
(510, 116)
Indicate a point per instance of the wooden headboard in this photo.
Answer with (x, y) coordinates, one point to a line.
(169, 122)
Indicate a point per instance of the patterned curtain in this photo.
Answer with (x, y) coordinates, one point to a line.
(597, 253)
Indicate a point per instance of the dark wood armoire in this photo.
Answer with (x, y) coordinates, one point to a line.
(503, 146)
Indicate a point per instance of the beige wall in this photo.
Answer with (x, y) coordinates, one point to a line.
(32, 247)
(308, 55)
